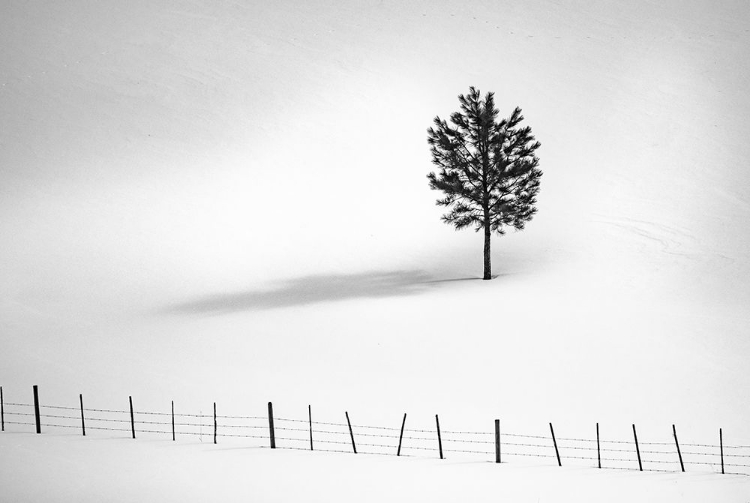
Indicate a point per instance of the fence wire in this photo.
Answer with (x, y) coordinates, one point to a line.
(384, 440)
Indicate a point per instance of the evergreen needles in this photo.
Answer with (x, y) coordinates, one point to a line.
(488, 171)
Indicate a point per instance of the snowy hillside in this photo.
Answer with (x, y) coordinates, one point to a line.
(228, 203)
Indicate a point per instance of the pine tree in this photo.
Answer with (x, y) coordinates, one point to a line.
(488, 171)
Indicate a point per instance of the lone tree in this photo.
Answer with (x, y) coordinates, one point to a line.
(488, 170)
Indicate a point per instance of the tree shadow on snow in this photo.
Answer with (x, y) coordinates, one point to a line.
(314, 289)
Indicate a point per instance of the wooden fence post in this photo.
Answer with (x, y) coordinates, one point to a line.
(497, 441)
(637, 449)
(400, 438)
(309, 415)
(351, 432)
(721, 446)
(554, 441)
(440, 439)
(270, 425)
(173, 435)
(83, 420)
(598, 450)
(674, 431)
(36, 410)
(132, 417)
(215, 424)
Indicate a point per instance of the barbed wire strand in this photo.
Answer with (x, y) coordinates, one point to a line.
(449, 432)
(343, 425)
(577, 448)
(524, 436)
(108, 420)
(42, 406)
(386, 428)
(467, 451)
(222, 425)
(617, 450)
(153, 413)
(60, 417)
(423, 439)
(326, 432)
(290, 420)
(576, 439)
(338, 442)
(50, 425)
(420, 431)
(486, 442)
(628, 442)
(526, 454)
(529, 445)
(446, 436)
(243, 417)
(109, 411)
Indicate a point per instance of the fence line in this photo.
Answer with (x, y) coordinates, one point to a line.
(384, 440)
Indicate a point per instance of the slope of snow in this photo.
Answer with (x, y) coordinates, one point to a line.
(228, 203)
(61, 468)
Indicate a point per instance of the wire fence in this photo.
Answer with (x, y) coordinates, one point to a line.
(306, 434)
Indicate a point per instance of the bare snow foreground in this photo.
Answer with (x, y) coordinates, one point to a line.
(62, 468)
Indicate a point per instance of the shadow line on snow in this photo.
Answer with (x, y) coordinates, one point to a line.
(313, 289)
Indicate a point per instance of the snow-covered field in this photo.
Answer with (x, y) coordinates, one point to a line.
(116, 470)
(227, 203)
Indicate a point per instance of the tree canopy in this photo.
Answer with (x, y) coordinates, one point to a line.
(487, 169)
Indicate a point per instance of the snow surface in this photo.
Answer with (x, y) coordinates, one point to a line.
(227, 203)
(120, 470)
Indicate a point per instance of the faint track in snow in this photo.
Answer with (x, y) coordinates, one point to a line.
(670, 239)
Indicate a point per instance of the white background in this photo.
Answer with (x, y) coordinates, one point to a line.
(227, 202)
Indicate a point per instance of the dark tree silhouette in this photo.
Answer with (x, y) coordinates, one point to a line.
(487, 169)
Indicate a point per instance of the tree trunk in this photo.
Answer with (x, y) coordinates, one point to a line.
(487, 264)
